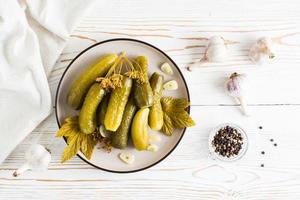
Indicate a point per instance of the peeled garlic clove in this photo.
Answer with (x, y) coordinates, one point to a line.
(166, 68)
(127, 157)
(171, 85)
(152, 147)
(154, 138)
(103, 132)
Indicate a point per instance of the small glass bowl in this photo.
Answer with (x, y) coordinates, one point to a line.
(214, 155)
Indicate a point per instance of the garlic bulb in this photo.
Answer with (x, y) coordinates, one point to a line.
(235, 86)
(262, 51)
(37, 158)
(216, 52)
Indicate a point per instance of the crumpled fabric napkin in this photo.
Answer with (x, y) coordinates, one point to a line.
(32, 36)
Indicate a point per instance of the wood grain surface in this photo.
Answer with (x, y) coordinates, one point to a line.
(181, 28)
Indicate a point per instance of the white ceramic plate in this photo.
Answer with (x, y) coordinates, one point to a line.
(110, 161)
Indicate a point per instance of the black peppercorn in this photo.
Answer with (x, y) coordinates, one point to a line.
(228, 142)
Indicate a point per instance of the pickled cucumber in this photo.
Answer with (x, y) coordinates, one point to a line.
(80, 86)
(119, 138)
(156, 119)
(142, 91)
(139, 129)
(87, 115)
(102, 109)
(116, 105)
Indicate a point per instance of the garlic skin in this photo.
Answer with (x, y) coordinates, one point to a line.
(37, 158)
(262, 51)
(216, 52)
(236, 87)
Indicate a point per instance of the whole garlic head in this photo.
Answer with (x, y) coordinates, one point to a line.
(37, 158)
(216, 50)
(262, 51)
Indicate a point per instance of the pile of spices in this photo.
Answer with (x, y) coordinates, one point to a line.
(228, 142)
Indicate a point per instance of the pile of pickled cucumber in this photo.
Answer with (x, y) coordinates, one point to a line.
(115, 95)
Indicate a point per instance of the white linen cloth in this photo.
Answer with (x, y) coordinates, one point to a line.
(32, 35)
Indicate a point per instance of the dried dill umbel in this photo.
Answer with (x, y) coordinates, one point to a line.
(103, 142)
(122, 67)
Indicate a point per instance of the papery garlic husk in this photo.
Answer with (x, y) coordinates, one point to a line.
(37, 159)
(216, 52)
(236, 87)
(262, 51)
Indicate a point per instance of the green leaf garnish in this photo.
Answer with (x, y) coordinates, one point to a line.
(76, 140)
(175, 114)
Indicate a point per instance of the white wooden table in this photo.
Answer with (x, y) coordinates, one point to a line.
(181, 29)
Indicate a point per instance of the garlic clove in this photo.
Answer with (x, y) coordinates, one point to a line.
(103, 132)
(127, 157)
(236, 87)
(166, 68)
(171, 85)
(152, 147)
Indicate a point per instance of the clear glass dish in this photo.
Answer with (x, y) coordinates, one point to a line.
(215, 156)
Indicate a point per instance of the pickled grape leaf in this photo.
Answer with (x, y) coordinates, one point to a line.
(175, 114)
(76, 140)
(167, 127)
